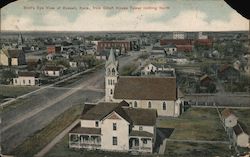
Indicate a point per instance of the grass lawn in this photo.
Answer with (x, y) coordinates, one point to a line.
(41, 138)
(14, 91)
(197, 150)
(196, 124)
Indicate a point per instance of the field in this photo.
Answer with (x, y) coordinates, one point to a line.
(196, 124)
(14, 91)
(41, 138)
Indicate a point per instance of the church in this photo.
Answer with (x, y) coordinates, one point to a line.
(147, 92)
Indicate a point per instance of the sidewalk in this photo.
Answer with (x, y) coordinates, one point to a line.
(47, 148)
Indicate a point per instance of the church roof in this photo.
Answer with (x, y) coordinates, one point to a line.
(146, 88)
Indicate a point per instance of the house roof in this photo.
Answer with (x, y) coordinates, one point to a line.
(135, 116)
(12, 53)
(27, 74)
(146, 88)
(160, 65)
(204, 77)
(226, 113)
(52, 68)
(99, 111)
(85, 130)
(142, 116)
(240, 128)
(140, 133)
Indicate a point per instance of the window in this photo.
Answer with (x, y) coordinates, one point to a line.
(140, 128)
(135, 104)
(96, 124)
(54, 73)
(145, 141)
(114, 140)
(23, 81)
(164, 106)
(29, 82)
(149, 104)
(111, 91)
(108, 82)
(130, 104)
(114, 126)
(15, 81)
(113, 71)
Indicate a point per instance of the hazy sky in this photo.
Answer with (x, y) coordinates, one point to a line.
(121, 15)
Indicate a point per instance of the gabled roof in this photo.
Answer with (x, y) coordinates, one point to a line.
(226, 113)
(240, 128)
(204, 76)
(146, 88)
(12, 53)
(132, 115)
(141, 116)
(27, 74)
(99, 111)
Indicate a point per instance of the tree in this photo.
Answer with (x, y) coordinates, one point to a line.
(7, 76)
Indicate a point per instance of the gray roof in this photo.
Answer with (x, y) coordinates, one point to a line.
(141, 133)
(134, 116)
(84, 130)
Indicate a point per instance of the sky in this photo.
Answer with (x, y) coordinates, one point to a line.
(121, 15)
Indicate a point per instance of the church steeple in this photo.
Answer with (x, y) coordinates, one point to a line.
(111, 76)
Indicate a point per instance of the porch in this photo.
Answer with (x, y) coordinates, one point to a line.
(141, 141)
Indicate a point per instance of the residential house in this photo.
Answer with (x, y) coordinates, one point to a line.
(26, 79)
(115, 127)
(170, 49)
(240, 135)
(142, 92)
(12, 57)
(53, 71)
(154, 68)
(228, 118)
(182, 45)
(205, 80)
(228, 73)
(54, 49)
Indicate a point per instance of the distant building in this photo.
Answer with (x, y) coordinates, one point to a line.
(205, 80)
(178, 35)
(202, 36)
(26, 79)
(170, 49)
(228, 118)
(123, 46)
(53, 71)
(240, 135)
(182, 45)
(228, 73)
(50, 56)
(115, 127)
(53, 49)
(12, 57)
(157, 67)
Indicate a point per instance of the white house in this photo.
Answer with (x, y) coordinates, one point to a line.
(26, 79)
(240, 135)
(157, 67)
(228, 118)
(158, 93)
(178, 35)
(53, 71)
(50, 56)
(115, 127)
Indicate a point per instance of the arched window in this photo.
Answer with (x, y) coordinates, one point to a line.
(110, 82)
(113, 71)
(149, 104)
(135, 104)
(108, 71)
(111, 91)
(164, 107)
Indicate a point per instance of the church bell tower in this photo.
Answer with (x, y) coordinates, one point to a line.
(111, 76)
